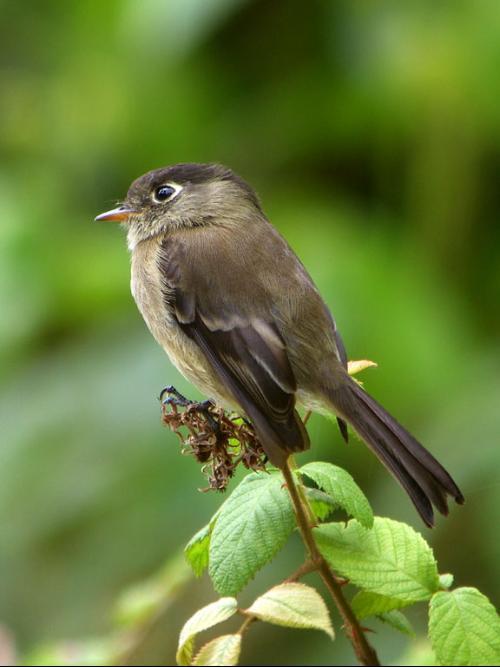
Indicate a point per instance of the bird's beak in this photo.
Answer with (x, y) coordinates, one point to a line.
(119, 214)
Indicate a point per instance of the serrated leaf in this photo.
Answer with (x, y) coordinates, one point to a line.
(253, 524)
(446, 580)
(464, 628)
(366, 604)
(339, 484)
(196, 550)
(222, 651)
(397, 620)
(293, 605)
(354, 367)
(390, 559)
(204, 618)
(321, 503)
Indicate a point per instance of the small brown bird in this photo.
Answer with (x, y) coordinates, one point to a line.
(238, 314)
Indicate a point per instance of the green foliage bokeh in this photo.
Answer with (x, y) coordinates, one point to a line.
(371, 132)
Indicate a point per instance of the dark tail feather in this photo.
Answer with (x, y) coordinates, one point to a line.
(423, 478)
(343, 429)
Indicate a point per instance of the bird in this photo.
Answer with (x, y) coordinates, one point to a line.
(240, 317)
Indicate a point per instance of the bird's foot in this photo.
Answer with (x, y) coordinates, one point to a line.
(169, 396)
(217, 439)
(173, 397)
(206, 409)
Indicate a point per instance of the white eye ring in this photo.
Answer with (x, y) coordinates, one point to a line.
(166, 192)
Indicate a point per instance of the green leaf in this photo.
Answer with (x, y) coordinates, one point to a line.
(446, 581)
(464, 628)
(253, 524)
(321, 503)
(390, 559)
(293, 605)
(197, 549)
(342, 488)
(398, 621)
(366, 604)
(204, 618)
(222, 651)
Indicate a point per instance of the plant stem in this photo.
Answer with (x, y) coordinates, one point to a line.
(311, 517)
(364, 652)
(306, 568)
(246, 624)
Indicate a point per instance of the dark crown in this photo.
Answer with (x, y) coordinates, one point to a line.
(196, 173)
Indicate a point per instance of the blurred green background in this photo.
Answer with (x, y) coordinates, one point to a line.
(371, 131)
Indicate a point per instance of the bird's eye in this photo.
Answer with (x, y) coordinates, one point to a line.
(165, 192)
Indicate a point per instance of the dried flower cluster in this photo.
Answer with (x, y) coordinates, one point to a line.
(218, 440)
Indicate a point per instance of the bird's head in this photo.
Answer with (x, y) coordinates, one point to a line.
(187, 195)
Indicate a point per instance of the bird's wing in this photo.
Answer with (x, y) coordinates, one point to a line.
(242, 345)
(343, 359)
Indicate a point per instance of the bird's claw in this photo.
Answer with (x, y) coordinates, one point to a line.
(174, 397)
(170, 396)
(204, 407)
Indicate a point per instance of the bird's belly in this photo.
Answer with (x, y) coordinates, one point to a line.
(189, 360)
(185, 355)
(313, 402)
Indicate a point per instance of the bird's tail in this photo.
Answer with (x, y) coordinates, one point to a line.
(423, 478)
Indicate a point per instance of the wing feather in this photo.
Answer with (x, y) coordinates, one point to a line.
(245, 350)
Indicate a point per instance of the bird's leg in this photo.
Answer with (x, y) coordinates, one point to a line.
(213, 436)
(204, 407)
